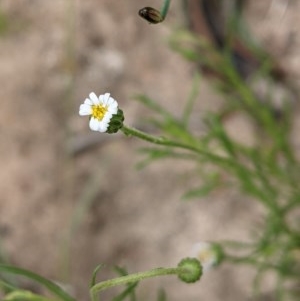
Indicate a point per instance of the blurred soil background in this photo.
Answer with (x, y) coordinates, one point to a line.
(71, 199)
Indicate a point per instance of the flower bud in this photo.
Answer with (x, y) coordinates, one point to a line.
(191, 270)
(151, 14)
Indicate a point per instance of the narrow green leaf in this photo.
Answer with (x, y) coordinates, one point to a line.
(95, 272)
(151, 104)
(153, 154)
(22, 295)
(121, 271)
(212, 182)
(51, 286)
(199, 193)
(191, 99)
(128, 291)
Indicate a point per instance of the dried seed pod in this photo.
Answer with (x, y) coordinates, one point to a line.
(151, 14)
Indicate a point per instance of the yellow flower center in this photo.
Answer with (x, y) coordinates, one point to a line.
(98, 111)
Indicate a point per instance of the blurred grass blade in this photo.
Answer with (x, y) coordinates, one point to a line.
(185, 44)
(51, 286)
(217, 128)
(128, 291)
(153, 154)
(199, 193)
(213, 181)
(3, 23)
(7, 286)
(8, 279)
(162, 296)
(191, 99)
(22, 295)
(197, 49)
(151, 104)
(121, 271)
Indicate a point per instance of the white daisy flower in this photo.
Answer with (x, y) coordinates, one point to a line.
(206, 253)
(100, 109)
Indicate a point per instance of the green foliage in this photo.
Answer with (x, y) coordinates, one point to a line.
(51, 286)
(266, 172)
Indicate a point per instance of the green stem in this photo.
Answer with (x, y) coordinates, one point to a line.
(130, 131)
(165, 8)
(130, 279)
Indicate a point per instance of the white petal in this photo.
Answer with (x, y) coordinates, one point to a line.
(94, 98)
(112, 102)
(113, 111)
(107, 118)
(102, 127)
(85, 109)
(88, 102)
(94, 124)
(101, 98)
(106, 98)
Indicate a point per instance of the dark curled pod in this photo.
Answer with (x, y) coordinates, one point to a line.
(151, 14)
